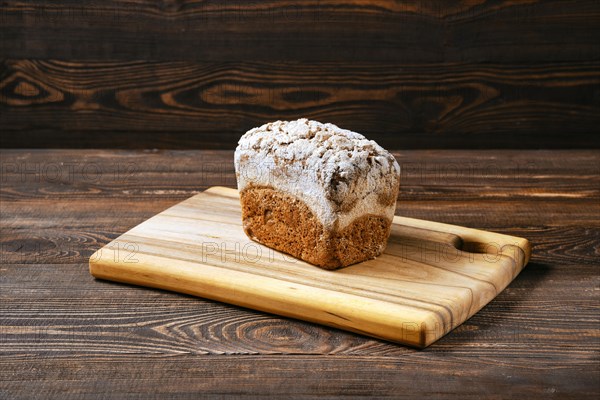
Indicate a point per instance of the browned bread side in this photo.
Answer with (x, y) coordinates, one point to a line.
(286, 223)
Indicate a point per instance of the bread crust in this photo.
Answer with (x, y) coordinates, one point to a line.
(339, 174)
(285, 223)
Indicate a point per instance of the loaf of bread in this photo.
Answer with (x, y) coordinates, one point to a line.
(315, 191)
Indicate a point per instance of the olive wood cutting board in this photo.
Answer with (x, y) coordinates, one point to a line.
(430, 279)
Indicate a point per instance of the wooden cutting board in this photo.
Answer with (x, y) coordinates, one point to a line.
(431, 278)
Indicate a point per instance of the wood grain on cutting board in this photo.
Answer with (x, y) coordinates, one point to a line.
(430, 279)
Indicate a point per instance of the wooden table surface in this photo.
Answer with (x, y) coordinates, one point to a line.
(65, 335)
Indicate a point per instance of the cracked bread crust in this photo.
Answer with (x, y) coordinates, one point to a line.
(287, 224)
(339, 174)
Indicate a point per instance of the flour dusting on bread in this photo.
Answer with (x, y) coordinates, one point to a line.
(339, 175)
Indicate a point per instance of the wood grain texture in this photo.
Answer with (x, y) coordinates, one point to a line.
(53, 103)
(64, 335)
(303, 30)
(429, 280)
(304, 377)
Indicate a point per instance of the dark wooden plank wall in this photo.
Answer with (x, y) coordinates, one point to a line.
(180, 74)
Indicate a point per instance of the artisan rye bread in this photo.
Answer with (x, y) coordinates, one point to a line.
(323, 194)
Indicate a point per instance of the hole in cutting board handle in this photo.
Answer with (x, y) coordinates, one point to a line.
(474, 247)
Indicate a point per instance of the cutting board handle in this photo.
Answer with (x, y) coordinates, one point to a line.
(468, 239)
